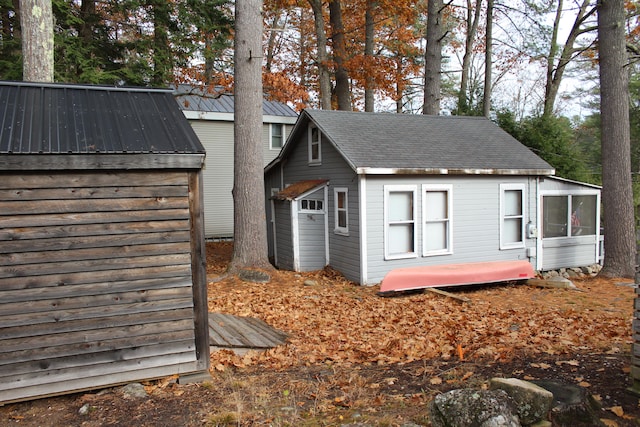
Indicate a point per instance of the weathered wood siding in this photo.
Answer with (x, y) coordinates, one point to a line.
(97, 280)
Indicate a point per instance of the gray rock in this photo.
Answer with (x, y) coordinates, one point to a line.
(85, 409)
(532, 402)
(477, 408)
(255, 276)
(135, 390)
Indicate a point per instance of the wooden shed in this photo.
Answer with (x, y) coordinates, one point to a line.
(102, 255)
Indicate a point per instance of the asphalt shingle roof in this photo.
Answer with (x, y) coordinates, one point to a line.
(48, 118)
(195, 98)
(423, 142)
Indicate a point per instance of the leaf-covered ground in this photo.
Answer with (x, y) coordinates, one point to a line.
(355, 357)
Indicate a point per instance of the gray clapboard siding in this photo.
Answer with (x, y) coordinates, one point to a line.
(475, 221)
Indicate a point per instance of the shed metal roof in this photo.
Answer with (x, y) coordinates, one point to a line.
(196, 98)
(384, 143)
(48, 118)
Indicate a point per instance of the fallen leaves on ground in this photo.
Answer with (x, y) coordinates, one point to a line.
(336, 321)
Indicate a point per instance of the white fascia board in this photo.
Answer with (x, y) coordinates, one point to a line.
(287, 120)
(229, 117)
(445, 171)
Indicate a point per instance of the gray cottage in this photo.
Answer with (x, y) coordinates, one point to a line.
(368, 193)
(102, 254)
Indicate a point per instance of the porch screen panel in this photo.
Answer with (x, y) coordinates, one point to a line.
(555, 214)
(583, 215)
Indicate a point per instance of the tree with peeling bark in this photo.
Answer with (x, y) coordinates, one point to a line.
(36, 21)
(250, 233)
(617, 194)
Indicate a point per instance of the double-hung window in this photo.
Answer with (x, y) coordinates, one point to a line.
(341, 210)
(277, 136)
(511, 216)
(315, 139)
(436, 214)
(400, 221)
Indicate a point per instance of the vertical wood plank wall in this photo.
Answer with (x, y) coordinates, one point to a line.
(96, 280)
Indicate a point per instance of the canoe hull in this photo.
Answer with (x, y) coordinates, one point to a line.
(403, 279)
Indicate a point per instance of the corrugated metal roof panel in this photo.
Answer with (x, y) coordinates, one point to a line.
(196, 98)
(53, 118)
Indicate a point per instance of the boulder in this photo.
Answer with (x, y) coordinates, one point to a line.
(470, 407)
(532, 402)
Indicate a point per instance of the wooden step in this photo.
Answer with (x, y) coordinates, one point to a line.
(237, 332)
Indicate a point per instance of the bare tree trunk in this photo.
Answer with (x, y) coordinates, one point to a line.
(472, 28)
(617, 194)
(488, 62)
(250, 229)
(303, 50)
(271, 44)
(368, 53)
(162, 56)
(433, 58)
(555, 71)
(88, 17)
(324, 76)
(36, 20)
(343, 92)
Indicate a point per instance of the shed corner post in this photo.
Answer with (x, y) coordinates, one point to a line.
(199, 273)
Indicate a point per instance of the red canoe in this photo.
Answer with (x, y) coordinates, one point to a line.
(402, 279)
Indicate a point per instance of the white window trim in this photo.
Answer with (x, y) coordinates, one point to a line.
(311, 211)
(510, 187)
(344, 231)
(449, 190)
(271, 147)
(310, 143)
(399, 188)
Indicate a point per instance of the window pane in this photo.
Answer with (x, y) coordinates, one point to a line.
(554, 216)
(276, 135)
(436, 236)
(342, 219)
(583, 215)
(341, 197)
(400, 239)
(512, 202)
(436, 205)
(401, 206)
(512, 230)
